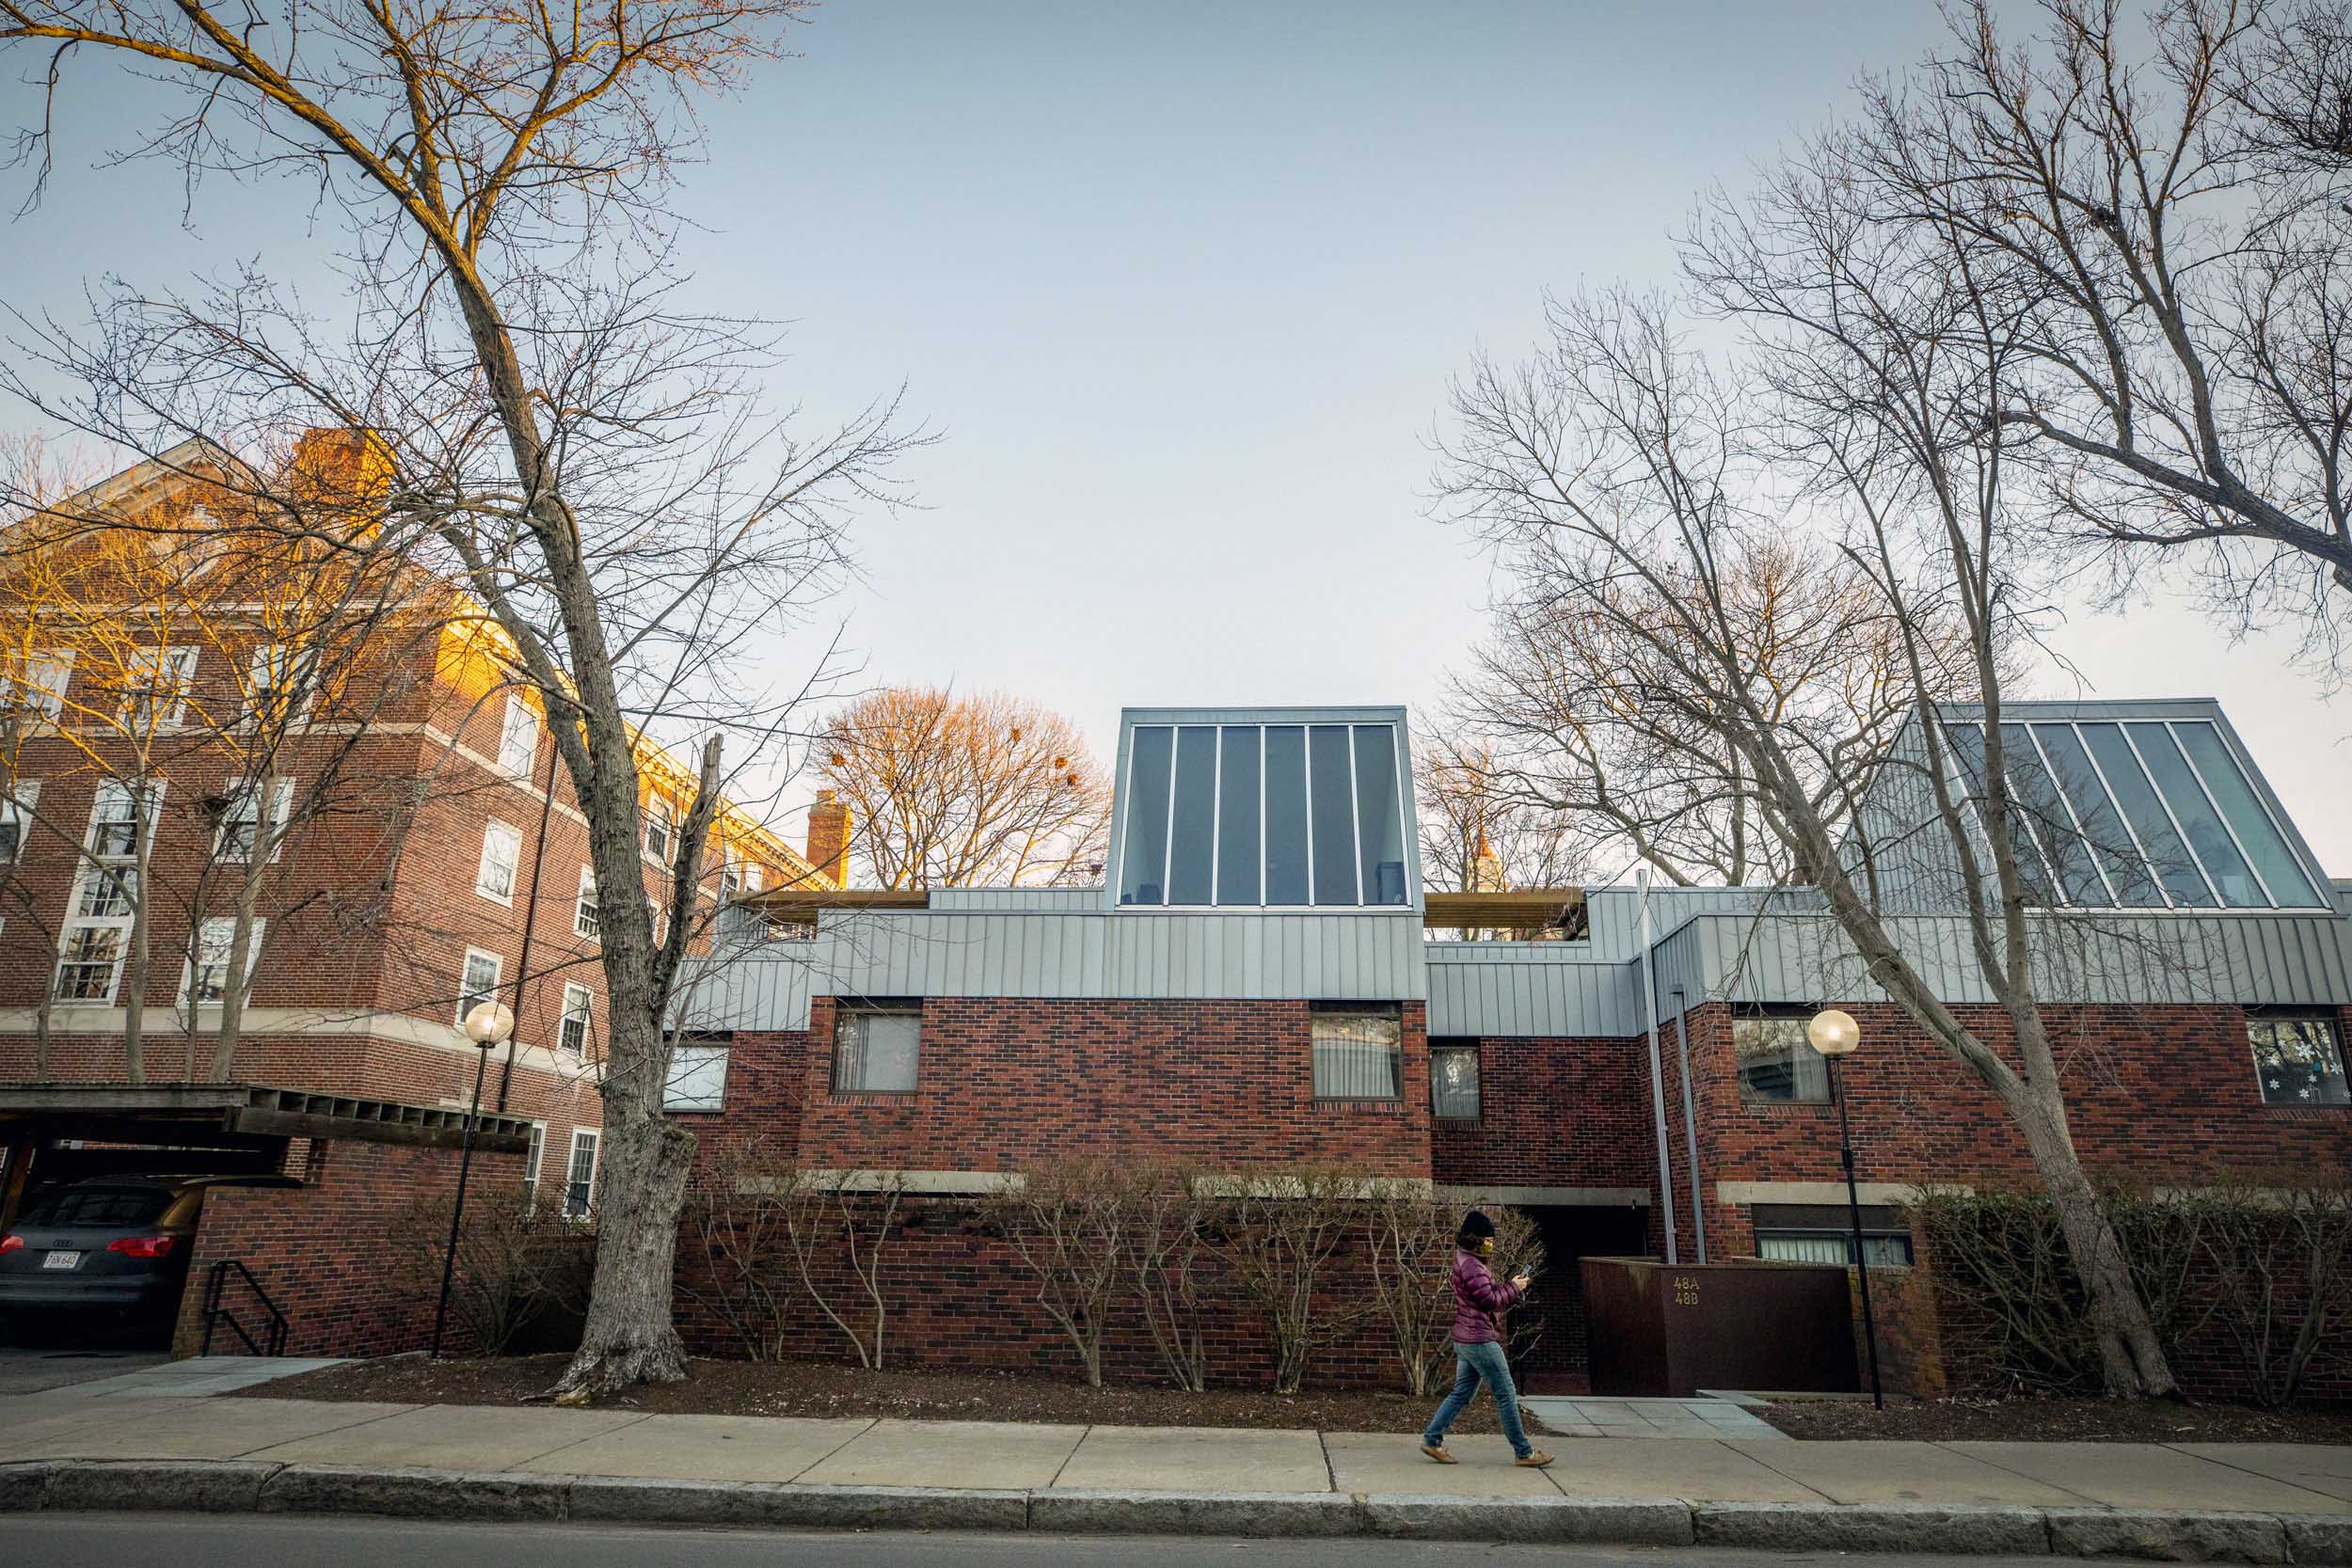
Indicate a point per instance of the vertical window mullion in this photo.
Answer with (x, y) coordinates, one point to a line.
(1354, 817)
(1216, 807)
(1307, 766)
(1266, 883)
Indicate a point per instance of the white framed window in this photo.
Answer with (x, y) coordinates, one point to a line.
(580, 1176)
(1357, 1054)
(661, 829)
(279, 687)
(730, 877)
(37, 678)
(698, 1076)
(2298, 1059)
(16, 819)
(155, 687)
(204, 980)
(585, 920)
(571, 1034)
(877, 1050)
(501, 851)
(532, 1155)
(519, 738)
(106, 894)
(480, 981)
(241, 823)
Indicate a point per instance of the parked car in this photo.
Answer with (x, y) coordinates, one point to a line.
(116, 1245)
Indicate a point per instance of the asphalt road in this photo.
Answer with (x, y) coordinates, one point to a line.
(197, 1541)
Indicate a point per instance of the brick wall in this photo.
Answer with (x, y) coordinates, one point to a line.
(1001, 1082)
(325, 1250)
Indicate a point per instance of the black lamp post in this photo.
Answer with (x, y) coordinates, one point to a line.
(487, 1024)
(1835, 1034)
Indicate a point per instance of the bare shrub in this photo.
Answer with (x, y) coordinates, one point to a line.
(1167, 1242)
(2281, 1280)
(735, 1223)
(1277, 1236)
(837, 1222)
(1409, 1247)
(1068, 1219)
(516, 1262)
(1519, 1250)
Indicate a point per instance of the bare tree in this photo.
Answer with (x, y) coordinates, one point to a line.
(1166, 1245)
(1858, 464)
(1277, 1236)
(2158, 198)
(981, 790)
(1480, 829)
(841, 1223)
(590, 463)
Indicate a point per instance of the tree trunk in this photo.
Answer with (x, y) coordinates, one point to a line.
(629, 1337)
(2132, 1363)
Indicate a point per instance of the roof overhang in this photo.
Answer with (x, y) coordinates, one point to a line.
(249, 1110)
(1520, 910)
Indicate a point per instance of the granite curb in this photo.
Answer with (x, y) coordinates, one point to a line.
(2158, 1535)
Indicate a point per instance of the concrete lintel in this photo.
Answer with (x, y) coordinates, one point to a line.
(1243, 1185)
(1573, 1197)
(920, 1183)
(1898, 1194)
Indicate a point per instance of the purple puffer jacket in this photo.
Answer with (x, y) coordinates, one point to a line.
(1478, 1295)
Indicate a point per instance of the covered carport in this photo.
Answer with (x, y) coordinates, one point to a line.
(300, 1241)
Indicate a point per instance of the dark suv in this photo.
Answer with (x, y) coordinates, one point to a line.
(115, 1244)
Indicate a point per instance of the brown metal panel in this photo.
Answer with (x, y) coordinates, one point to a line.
(1669, 1332)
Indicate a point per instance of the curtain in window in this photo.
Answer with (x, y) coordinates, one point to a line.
(1454, 1082)
(1776, 1061)
(1358, 1056)
(876, 1053)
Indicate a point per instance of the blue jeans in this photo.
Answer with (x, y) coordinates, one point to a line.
(1473, 1364)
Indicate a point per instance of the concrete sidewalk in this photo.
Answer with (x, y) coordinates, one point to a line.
(2245, 1502)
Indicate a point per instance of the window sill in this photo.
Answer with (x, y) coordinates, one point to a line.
(2323, 1110)
(1786, 1107)
(1358, 1104)
(1457, 1121)
(871, 1097)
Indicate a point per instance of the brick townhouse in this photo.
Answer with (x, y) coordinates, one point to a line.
(1262, 982)
(429, 856)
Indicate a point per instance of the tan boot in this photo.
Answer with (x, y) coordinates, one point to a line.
(1438, 1451)
(1533, 1461)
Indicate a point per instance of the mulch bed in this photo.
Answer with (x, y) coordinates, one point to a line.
(2058, 1420)
(827, 1389)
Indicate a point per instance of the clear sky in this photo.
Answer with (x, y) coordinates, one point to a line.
(1181, 286)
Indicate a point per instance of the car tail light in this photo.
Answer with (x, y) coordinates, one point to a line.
(142, 1247)
(11, 1243)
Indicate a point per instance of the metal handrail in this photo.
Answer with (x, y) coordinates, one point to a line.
(217, 1286)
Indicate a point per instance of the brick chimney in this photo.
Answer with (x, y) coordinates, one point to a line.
(829, 838)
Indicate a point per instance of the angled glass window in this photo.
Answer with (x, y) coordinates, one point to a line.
(1332, 823)
(2224, 866)
(1143, 863)
(2102, 824)
(1192, 831)
(1968, 745)
(2038, 800)
(1379, 816)
(2167, 855)
(2257, 834)
(1240, 802)
(1285, 814)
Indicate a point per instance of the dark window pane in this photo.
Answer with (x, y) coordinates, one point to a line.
(877, 1053)
(2109, 840)
(2223, 864)
(2298, 1060)
(1191, 838)
(2259, 836)
(1776, 1061)
(2038, 802)
(1144, 861)
(1334, 838)
(1968, 745)
(1285, 815)
(1379, 823)
(2167, 855)
(1237, 816)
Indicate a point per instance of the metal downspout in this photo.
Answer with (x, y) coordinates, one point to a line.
(1657, 1077)
(1690, 1118)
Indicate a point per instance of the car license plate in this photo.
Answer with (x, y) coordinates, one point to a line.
(62, 1260)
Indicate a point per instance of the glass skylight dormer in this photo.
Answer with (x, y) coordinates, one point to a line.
(1264, 809)
(2141, 808)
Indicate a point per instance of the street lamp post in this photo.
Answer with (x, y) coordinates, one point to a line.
(1835, 1034)
(488, 1025)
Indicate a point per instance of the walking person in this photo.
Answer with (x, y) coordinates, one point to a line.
(1479, 1302)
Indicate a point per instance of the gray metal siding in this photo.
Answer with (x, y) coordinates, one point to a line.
(1563, 997)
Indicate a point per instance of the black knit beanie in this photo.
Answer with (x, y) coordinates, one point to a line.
(1476, 1227)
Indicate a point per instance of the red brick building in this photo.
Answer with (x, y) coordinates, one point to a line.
(342, 755)
(1259, 986)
